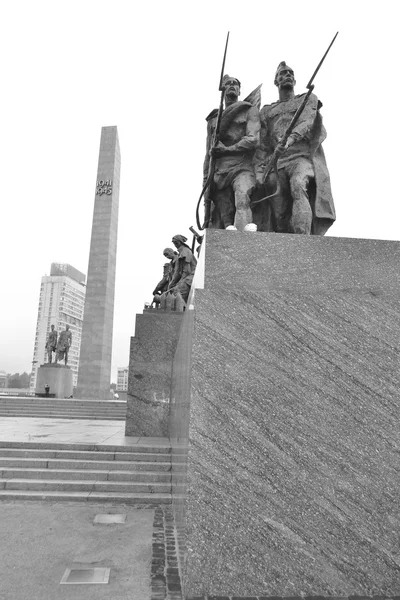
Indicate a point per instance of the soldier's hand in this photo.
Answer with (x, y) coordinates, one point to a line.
(280, 149)
(218, 150)
(290, 141)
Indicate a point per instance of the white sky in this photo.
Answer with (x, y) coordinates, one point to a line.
(152, 69)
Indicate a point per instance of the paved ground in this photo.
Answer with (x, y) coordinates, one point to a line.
(40, 540)
(70, 431)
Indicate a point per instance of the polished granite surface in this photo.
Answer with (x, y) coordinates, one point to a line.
(293, 426)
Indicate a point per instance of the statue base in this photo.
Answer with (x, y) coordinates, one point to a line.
(284, 415)
(149, 383)
(57, 377)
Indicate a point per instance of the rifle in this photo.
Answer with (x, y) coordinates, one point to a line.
(273, 163)
(211, 166)
(196, 237)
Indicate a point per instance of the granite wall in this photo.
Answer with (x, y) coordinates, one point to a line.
(286, 408)
(150, 365)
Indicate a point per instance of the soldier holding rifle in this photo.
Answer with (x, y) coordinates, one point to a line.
(233, 179)
(304, 201)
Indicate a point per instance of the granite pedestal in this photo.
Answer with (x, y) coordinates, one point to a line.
(58, 377)
(285, 418)
(150, 365)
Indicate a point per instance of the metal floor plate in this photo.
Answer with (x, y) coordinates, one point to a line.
(120, 518)
(86, 575)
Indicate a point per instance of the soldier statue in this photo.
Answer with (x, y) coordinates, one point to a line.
(51, 344)
(162, 285)
(64, 344)
(233, 179)
(304, 203)
(184, 267)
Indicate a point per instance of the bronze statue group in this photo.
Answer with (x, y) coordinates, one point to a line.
(178, 274)
(59, 346)
(261, 178)
(264, 170)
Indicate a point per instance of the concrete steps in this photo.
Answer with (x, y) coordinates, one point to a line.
(76, 474)
(65, 416)
(102, 473)
(82, 455)
(125, 498)
(84, 486)
(62, 408)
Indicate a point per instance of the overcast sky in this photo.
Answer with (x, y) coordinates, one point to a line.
(152, 69)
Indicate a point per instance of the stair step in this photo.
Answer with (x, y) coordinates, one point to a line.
(125, 498)
(89, 485)
(83, 455)
(55, 412)
(44, 411)
(66, 409)
(64, 416)
(59, 401)
(74, 474)
(53, 463)
(71, 401)
(145, 447)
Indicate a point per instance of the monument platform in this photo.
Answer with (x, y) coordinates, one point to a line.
(285, 411)
(57, 377)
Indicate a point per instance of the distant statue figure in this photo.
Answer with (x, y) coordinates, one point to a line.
(234, 179)
(184, 268)
(156, 301)
(163, 285)
(305, 203)
(64, 344)
(51, 344)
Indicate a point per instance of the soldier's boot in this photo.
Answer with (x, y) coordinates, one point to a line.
(301, 221)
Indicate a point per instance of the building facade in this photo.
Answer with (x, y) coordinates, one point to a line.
(61, 303)
(122, 379)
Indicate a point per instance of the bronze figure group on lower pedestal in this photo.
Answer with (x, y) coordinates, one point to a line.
(174, 287)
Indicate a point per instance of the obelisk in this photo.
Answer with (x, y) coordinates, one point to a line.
(96, 346)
